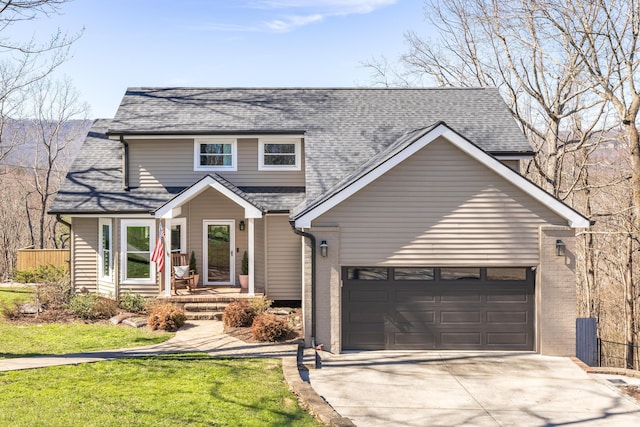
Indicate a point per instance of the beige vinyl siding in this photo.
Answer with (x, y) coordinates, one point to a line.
(284, 262)
(85, 253)
(211, 205)
(259, 263)
(440, 207)
(169, 163)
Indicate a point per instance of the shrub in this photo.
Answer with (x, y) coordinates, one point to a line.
(268, 327)
(91, 307)
(260, 305)
(245, 263)
(134, 303)
(10, 310)
(43, 274)
(55, 294)
(166, 317)
(238, 314)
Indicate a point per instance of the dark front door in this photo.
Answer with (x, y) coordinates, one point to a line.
(437, 309)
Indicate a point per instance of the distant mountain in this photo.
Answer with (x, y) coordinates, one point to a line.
(28, 149)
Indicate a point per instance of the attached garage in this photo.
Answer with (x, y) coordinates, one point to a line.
(415, 308)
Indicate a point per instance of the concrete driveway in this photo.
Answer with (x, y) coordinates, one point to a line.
(383, 388)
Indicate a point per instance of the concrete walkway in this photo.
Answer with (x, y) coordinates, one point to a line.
(196, 336)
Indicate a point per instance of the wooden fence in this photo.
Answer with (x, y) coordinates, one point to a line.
(32, 258)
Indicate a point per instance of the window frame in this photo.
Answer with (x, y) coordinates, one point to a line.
(196, 154)
(182, 222)
(124, 224)
(101, 251)
(297, 143)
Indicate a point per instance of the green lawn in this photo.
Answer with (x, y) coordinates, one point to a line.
(15, 295)
(174, 390)
(59, 338)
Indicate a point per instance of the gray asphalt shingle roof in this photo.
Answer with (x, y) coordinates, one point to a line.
(343, 129)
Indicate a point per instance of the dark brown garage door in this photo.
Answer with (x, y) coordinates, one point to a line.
(437, 308)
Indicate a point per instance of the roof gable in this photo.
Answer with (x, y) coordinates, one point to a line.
(406, 147)
(251, 209)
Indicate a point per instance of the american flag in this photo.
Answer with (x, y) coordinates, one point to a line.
(158, 253)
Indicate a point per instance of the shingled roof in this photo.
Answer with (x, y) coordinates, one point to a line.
(343, 129)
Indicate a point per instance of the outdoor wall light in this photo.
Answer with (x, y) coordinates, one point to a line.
(324, 248)
(241, 226)
(560, 248)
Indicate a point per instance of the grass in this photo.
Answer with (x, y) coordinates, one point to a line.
(173, 390)
(15, 295)
(22, 340)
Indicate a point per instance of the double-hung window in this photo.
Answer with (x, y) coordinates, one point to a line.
(215, 154)
(105, 253)
(279, 154)
(138, 240)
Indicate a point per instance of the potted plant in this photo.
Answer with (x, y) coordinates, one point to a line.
(193, 267)
(244, 277)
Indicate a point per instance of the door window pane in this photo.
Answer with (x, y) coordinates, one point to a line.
(459, 273)
(367, 273)
(413, 273)
(176, 230)
(500, 273)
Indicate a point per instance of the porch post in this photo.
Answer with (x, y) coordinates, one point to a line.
(167, 258)
(251, 256)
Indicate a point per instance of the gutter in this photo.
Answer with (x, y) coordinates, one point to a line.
(125, 166)
(312, 239)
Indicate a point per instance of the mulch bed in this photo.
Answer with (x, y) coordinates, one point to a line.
(293, 317)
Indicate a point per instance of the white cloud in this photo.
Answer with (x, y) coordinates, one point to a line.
(290, 23)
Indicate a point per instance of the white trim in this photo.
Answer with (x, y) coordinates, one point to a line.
(182, 222)
(192, 136)
(168, 267)
(252, 276)
(573, 218)
(101, 277)
(513, 157)
(234, 154)
(123, 249)
(232, 250)
(205, 183)
(298, 157)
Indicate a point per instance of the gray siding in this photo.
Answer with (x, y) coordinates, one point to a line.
(169, 163)
(85, 253)
(439, 208)
(284, 260)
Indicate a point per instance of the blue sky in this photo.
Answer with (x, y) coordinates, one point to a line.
(252, 43)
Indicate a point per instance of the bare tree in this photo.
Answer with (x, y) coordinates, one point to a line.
(55, 103)
(24, 62)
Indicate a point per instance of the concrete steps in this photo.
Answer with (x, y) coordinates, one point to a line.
(200, 307)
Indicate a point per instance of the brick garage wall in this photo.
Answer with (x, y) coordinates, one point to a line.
(556, 293)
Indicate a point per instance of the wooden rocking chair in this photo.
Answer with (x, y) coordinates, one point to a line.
(181, 276)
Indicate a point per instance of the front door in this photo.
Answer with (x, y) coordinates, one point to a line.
(218, 251)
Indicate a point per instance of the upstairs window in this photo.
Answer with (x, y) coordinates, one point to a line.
(280, 154)
(215, 154)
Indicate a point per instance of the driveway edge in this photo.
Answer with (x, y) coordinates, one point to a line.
(315, 404)
(604, 370)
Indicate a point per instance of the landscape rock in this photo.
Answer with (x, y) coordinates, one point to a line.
(137, 322)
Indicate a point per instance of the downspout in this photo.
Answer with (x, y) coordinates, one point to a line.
(312, 239)
(125, 174)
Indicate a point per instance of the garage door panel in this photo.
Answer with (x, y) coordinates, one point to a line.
(458, 317)
(473, 297)
(413, 341)
(508, 317)
(507, 338)
(456, 340)
(436, 314)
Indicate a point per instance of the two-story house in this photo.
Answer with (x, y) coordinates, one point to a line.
(397, 217)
